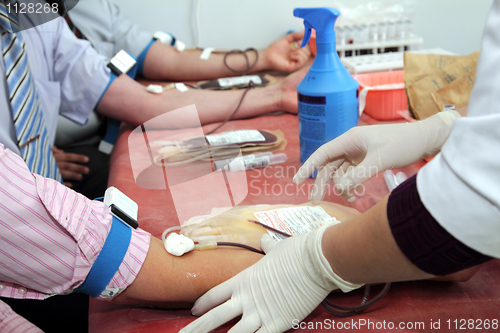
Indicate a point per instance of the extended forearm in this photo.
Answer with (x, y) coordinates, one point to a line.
(163, 62)
(165, 279)
(363, 250)
(128, 101)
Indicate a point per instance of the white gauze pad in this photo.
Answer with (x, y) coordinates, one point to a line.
(177, 245)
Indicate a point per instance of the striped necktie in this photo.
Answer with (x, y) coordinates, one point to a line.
(32, 137)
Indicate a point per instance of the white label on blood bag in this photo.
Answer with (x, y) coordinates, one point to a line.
(294, 220)
(239, 80)
(234, 137)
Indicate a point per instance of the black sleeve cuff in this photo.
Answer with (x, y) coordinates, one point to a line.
(422, 239)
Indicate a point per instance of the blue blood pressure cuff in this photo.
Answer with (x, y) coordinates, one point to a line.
(121, 63)
(108, 261)
(142, 57)
(116, 245)
(169, 39)
(162, 37)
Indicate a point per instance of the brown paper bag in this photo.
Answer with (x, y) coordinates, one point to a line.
(418, 65)
(420, 92)
(456, 93)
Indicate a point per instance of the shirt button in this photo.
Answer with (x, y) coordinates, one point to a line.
(22, 290)
(2, 286)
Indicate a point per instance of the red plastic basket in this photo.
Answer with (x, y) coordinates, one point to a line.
(312, 42)
(383, 104)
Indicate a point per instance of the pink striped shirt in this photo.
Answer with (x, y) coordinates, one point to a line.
(50, 237)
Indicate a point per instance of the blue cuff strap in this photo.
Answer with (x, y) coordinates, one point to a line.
(108, 261)
(112, 76)
(133, 71)
(142, 57)
(173, 39)
(112, 132)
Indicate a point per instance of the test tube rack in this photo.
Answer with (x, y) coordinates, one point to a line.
(376, 46)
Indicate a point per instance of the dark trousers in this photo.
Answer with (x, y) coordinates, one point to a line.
(68, 313)
(95, 182)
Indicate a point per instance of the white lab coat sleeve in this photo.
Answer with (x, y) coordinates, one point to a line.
(461, 186)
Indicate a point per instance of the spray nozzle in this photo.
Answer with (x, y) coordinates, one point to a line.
(307, 34)
(320, 19)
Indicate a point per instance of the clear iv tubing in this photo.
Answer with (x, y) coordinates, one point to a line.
(351, 310)
(258, 223)
(335, 309)
(158, 158)
(189, 228)
(215, 240)
(176, 144)
(330, 306)
(164, 234)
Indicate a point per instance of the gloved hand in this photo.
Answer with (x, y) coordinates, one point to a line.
(288, 283)
(364, 151)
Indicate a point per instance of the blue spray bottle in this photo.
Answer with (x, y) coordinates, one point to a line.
(328, 95)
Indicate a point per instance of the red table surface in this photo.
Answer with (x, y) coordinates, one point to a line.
(411, 303)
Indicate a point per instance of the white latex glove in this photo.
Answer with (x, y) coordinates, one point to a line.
(288, 283)
(364, 151)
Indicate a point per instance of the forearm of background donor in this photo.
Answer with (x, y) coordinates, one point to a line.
(164, 62)
(128, 101)
(172, 282)
(363, 250)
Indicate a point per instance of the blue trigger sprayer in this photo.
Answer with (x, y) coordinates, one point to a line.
(328, 94)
